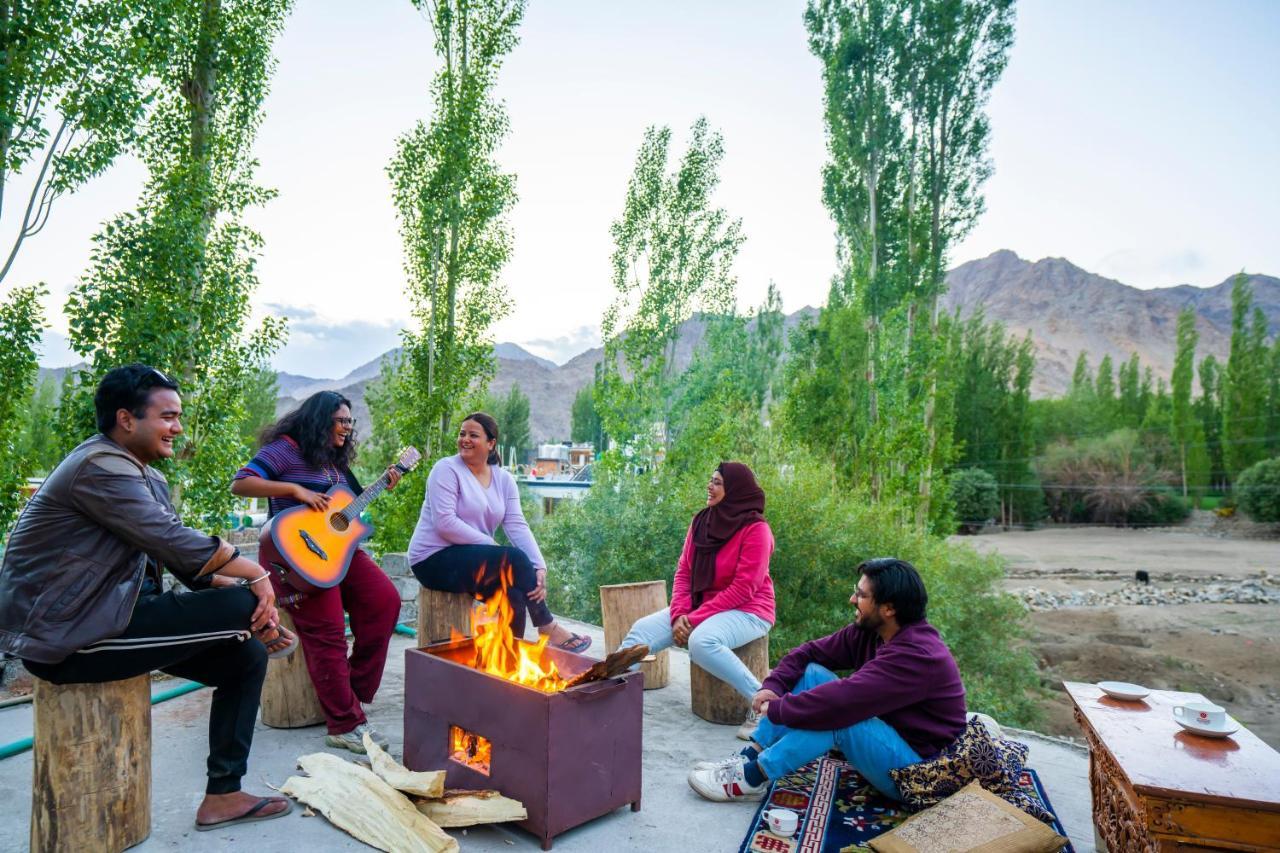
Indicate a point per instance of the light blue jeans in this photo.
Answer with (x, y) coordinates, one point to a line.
(711, 644)
(872, 746)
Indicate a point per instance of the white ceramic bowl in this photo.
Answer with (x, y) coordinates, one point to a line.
(1124, 690)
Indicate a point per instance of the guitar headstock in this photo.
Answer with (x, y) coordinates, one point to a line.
(409, 459)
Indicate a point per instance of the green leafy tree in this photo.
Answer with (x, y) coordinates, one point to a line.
(37, 443)
(75, 80)
(1208, 409)
(1104, 387)
(1258, 491)
(512, 413)
(21, 324)
(452, 201)
(1130, 402)
(1244, 417)
(976, 496)
(673, 255)
(584, 422)
(1182, 427)
(261, 394)
(170, 282)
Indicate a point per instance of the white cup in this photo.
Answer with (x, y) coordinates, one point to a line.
(782, 822)
(1205, 714)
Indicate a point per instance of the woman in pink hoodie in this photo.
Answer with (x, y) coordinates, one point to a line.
(722, 597)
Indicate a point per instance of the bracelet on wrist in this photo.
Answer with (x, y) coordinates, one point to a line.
(259, 578)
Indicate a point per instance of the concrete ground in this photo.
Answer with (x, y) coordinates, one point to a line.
(673, 816)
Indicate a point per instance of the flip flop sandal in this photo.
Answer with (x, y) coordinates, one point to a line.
(577, 644)
(251, 816)
(290, 641)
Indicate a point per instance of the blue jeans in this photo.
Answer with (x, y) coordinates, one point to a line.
(711, 644)
(872, 746)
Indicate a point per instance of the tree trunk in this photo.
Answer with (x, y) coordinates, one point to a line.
(288, 697)
(441, 614)
(715, 701)
(623, 604)
(91, 788)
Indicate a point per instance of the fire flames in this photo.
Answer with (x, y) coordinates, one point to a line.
(470, 749)
(499, 652)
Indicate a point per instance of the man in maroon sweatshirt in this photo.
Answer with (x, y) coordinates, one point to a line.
(903, 702)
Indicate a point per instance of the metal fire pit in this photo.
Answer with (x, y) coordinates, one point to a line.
(569, 757)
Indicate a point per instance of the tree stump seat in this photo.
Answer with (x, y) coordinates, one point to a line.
(91, 787)
(621, 605)
(442, 612)
(289, 698)
(715, 701)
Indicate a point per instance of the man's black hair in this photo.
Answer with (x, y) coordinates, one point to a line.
(896, 582)
(130, 388)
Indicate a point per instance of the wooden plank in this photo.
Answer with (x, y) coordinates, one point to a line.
(471, 808)
(356, 800)
(440, 613)
(422, 783)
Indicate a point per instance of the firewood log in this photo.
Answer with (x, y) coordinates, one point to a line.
(424, 784)
(356, 800)
(615, 664)
(469, 808)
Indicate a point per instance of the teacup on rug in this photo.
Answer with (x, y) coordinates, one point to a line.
(840, 812)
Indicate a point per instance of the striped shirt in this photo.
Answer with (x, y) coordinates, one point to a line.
(282, 460)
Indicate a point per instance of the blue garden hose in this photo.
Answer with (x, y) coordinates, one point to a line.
(18, 747)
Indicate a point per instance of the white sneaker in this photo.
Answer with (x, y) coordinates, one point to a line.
(717, 763)
(725, 784)
(354, 739)
(748, 727)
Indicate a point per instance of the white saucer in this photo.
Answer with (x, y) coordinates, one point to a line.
(1124, 690)
(1229, 727)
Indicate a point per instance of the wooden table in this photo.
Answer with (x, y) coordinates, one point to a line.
(1158, 788)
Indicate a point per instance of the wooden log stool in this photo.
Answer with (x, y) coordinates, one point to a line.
(715, 701)
(92, 777)
(439, 612)
(288, 697)
(622, 604)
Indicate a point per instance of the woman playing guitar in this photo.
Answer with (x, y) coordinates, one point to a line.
(303, 454)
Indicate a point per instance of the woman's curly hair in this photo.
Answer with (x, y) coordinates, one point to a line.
(311, 426)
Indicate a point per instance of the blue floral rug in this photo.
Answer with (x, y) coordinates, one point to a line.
(839, 812)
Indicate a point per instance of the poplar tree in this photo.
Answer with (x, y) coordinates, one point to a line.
(1244, 416)
(1208, 408)
(170, 282)
(452, 200)
(1182, 424)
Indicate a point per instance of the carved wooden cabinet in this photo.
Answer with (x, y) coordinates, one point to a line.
(1158, 788)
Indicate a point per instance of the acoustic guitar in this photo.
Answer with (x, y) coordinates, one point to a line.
(311, 549)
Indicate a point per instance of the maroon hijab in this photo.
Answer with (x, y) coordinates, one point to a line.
(742, 504)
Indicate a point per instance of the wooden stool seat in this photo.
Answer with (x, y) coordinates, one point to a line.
(92, 773)
(621, 605)
(715, 701)
(288, 697)
(439, 613)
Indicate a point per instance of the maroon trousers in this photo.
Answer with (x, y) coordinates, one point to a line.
(343, 682)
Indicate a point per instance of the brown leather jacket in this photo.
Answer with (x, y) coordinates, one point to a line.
(76, 559)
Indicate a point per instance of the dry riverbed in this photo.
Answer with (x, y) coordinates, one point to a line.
(1208, 621)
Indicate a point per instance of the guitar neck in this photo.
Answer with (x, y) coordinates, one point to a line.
(357, 506)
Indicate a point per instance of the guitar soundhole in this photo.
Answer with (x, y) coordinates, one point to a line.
(339, 522)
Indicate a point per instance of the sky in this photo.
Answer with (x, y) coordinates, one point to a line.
(1136, 139)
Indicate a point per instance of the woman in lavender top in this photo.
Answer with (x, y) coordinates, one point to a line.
(468, 497)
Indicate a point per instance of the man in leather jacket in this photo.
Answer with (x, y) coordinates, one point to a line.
(80, 593)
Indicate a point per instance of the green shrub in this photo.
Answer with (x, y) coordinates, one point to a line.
(631, 528)
(976, 497)
(1257, 490)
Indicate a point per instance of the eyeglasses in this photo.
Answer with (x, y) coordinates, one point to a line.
(345, 422)
(858, 593)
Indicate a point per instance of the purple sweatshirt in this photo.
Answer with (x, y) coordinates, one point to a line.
(460, 511)
(911, 682)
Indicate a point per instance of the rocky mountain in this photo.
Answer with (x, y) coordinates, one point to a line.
(1068, 310)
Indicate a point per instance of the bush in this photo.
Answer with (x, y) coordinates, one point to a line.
(1257, 490)
(631, 528)
(1108, 480)
(976, 498)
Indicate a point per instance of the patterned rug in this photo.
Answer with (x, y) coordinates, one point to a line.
(839, 812)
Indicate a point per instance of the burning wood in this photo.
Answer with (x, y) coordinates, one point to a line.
(615, 664)
(469, 808)
(423, 784)
(499, 652)
(361, 803)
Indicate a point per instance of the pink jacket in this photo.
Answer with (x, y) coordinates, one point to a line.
(742, 577)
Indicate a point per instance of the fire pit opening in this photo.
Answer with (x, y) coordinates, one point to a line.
(469, 749)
